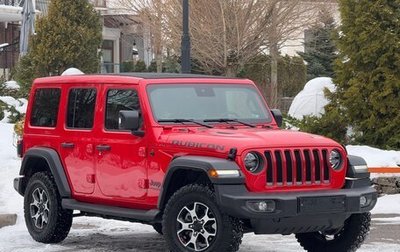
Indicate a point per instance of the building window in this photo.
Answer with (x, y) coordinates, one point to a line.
(108, 56)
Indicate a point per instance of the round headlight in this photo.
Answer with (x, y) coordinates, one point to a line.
(335, 159)
(253, 162)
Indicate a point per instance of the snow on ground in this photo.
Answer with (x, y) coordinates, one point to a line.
(100, 235)
(389, 204)
(311, 100)
(19, 104)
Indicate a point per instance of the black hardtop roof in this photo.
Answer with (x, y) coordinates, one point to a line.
(170, 76)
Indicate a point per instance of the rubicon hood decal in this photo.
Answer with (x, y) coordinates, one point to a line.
(190, 144)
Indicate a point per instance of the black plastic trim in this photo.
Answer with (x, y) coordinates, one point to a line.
(203, 164)
(54, 163)
(232, 200)
(19, 184)
(111, 211)
(356, 161)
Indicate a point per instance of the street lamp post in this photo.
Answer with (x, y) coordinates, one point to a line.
(185, 46)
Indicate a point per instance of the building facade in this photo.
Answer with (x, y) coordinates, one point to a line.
(124, 36)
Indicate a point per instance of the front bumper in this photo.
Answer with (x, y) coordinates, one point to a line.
(295, 212)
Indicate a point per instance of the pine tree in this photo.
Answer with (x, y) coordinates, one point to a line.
(320, 49)
(69, 36)
(368, 70)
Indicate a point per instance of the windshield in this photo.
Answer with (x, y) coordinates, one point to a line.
(207, 102)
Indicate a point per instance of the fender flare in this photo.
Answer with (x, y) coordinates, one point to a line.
(54, 163)
(357, 178)
(201, 164)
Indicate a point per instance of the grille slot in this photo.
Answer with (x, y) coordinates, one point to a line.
(279, 170)
(297, 167)
(289, 167)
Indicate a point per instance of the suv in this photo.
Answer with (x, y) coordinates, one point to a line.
(201, 158)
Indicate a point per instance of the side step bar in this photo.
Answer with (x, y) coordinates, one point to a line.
(110, 211)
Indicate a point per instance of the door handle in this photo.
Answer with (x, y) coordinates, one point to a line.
(103, 147)
(67, 145)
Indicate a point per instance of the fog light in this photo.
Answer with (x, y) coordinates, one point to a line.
(363, 201)
(266, 206)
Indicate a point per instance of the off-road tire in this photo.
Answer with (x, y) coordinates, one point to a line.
(229, 231)
(158, 228)
(349, 239)
(59, 219)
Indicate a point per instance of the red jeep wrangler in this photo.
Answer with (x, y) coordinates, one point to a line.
(201, 158)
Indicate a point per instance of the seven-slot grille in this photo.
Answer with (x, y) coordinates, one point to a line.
(297, 167)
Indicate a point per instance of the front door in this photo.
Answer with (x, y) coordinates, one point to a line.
(121, 157)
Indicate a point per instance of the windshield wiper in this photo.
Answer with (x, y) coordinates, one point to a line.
(183, 121)
(227, 120)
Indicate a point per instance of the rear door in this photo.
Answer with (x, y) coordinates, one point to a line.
(77, 149)
(120, 156)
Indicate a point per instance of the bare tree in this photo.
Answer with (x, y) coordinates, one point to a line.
(226, 34)
(288, 20)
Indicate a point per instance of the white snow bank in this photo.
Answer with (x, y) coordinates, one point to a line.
(311, 100)
(11, 84)
(388, 204)
(375, 157)
(19, 104)
(10, 200)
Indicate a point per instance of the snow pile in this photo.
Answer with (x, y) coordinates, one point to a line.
(375, 157)
(11, 85)
(20, 105)
(311, 100)
(72, 71)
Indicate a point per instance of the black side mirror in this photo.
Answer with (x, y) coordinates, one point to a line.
(278, 116)
(130, 120)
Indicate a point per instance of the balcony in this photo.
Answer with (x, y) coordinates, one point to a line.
(15, 3)
(10, 10)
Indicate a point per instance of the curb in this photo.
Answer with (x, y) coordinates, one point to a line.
(7, 220)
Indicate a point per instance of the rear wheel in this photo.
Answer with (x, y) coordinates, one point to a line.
(192, 221)
(45, 219)
(346, 239)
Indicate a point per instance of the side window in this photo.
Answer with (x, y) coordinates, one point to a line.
(81, 103)
(45, 107)
(117, 100)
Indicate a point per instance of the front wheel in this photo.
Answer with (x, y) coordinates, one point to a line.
(45, 219)
(346, 239)
(192, 221)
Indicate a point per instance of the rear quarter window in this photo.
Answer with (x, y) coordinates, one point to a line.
(45, 107)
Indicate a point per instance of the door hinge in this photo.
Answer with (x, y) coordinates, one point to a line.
(143, 183)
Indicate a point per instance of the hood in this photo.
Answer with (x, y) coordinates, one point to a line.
(222, 139)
